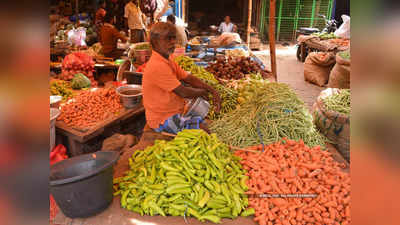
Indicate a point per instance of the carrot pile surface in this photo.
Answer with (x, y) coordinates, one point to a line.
(90, 107)
(291, 183)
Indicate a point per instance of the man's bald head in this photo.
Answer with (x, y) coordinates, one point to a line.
(163, 38)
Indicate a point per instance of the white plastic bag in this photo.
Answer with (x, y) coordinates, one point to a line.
(344, 29)
(77, 36)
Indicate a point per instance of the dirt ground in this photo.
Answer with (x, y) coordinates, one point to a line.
(290, 71)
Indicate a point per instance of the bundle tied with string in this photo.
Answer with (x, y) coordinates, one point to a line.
(279, 112)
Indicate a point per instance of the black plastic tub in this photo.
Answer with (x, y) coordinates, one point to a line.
(82, 185)
(133, 77)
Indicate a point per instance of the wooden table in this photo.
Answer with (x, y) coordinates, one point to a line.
(77, 137)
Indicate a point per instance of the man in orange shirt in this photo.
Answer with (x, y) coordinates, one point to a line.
(163, 92)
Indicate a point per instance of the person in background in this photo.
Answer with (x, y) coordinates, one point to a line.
(134, 18)
(109, 37)
(181, 38)
(163, 93)
(227, 26)
(99, 18)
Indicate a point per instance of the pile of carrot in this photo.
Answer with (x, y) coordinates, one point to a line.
(90, 107)
(290, 167)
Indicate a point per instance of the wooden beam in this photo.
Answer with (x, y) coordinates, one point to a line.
(183, 10)
(249, 22)
(271, 34)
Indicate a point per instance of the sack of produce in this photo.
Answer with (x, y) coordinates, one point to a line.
(331, 114)
(340, 74)
(80, 81)
(317, 67)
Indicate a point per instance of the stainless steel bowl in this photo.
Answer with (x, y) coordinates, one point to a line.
(130, 100)
(198, 107)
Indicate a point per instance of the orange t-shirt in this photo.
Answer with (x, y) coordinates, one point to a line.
(160, 78)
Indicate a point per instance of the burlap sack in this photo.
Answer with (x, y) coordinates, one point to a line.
(317, 67)
(340, 74)
(335, 126)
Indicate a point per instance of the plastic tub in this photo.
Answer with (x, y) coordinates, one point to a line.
(82, 185)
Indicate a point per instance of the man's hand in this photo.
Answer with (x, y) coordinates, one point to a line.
(197, 83)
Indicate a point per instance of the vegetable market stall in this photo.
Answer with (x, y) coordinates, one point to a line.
(90, 114)
(77, 138)
(292, 111)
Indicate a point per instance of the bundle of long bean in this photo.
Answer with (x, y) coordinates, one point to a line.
(338, 102)
(275, 110)
(194, 174)
(228, 96)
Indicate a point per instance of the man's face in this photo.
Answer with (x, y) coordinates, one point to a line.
(166, 44)
(227, 19)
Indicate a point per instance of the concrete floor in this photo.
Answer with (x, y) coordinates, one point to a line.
(291, 71)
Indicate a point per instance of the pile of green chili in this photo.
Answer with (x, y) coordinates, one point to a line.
(339, 102)
(193, 175)
(274, 110)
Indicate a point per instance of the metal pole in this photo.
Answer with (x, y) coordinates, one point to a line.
(249, 22)
(296, 17)
(272, 6)
(312, 14)
(279, 20)
(183, 10)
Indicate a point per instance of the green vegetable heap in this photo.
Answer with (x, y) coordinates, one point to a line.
(61, 88)
(144, 46)
(187, 64)
(228, 96)
(324, 35)
(80, 81)
(345, 54)
(194, 174)
(339, 102)
(275, 110)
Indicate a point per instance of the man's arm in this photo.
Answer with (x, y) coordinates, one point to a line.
(220, 28)
(189, 92)
(120, 36)
(197, 83)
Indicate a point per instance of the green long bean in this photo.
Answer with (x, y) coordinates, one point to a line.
(278, 110)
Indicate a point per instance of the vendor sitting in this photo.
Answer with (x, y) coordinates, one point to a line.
(109, 37)
(163, 93)
(227, 26)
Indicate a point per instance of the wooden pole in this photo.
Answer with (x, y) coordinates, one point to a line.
(77, 11)
(249, 23)
(272, 4)
(183, 9)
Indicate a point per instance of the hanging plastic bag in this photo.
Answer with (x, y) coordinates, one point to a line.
(344, 29)
(77, 36)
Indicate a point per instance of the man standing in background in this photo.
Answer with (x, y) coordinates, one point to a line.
(135, 18)
(227, 26)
